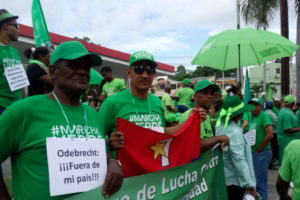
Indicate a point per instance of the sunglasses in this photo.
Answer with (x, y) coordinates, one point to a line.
(140, 69)
(15, 25)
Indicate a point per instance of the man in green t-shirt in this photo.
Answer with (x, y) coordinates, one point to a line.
(112, 85)
(9, 56)
(288, 128)
(184, 96)
(204, 96)
(289, 171)
(168, 103)
(261, 125)
(135, 104)
(26, 124)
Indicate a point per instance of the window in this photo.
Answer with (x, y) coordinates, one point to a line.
(277, 70)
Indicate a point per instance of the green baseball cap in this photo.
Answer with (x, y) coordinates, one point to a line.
(204, 84)
(72, 50)
(256, 101)
(141, 55)
(5, 15)
(186, 81)
(289, 99)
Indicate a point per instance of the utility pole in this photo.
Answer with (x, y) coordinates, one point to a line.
(239, 71)
(284, 24)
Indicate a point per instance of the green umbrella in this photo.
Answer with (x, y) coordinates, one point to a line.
(95, 77)
(243, 47)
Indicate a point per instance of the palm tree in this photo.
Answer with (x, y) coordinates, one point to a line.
(260, 13)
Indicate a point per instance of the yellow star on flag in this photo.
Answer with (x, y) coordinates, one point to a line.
(158, 149)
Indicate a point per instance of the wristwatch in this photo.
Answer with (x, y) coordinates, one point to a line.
(117, 161)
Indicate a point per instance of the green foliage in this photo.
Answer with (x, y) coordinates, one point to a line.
(259, 12)
(258, 88)
(182, 73)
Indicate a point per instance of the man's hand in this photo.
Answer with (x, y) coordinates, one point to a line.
(116, 140)
(114, 178)
(202, 112)
(253, 192)
(223, 139)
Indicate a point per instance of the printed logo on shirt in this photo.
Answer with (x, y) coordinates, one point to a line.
(77, 131)
(110, 91)
(8, 62)
(146, 120)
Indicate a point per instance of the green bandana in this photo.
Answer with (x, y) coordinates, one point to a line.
(38, 62)
(228, 113)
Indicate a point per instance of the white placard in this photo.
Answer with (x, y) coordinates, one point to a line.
(251, 137)
(16, 77)
(248, 197)
(76, 165)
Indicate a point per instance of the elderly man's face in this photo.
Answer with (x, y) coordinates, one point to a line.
(204, 98)
(141, 75)
(71, 76)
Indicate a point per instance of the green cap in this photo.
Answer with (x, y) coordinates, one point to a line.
(289, 99)
(141, 55)
(5, 15)
(186, 81)
(72, 50)
(256, 101)
(204, 84)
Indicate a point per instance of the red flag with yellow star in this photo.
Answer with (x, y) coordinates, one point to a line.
(147, 151)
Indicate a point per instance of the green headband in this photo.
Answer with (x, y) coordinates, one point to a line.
(228, 113)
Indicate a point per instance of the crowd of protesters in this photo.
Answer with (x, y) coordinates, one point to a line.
(58, 88)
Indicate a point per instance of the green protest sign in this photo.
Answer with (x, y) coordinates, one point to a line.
(201, 179)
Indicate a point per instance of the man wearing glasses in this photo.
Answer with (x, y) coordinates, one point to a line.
(9, 56)
(135, 104)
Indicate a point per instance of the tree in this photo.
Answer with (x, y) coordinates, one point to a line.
(258, 88)
(260, 13)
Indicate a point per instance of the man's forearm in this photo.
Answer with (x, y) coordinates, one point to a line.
(4, 195)
(292, 130)
(209, 143)
(174, 129)
(282, 188)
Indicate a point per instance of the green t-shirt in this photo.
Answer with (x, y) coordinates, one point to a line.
(185, 96)
(246, 117)
(259, 123)
(298, 115)
(286, 120)
(25, 125)
(206, 129)
(289, 170)
(167, 100)
(113, 87)
(9, 56)
(145, 112)
(275, 110)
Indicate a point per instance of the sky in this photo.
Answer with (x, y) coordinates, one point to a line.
(172, 30)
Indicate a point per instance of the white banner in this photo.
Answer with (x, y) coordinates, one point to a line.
(75, 165)
(16, 77)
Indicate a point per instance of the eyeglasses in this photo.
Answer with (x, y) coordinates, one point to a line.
(140, 69)
(15, 25)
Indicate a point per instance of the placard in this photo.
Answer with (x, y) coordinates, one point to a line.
(75, 165)
(251, 137)
(16, 77)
